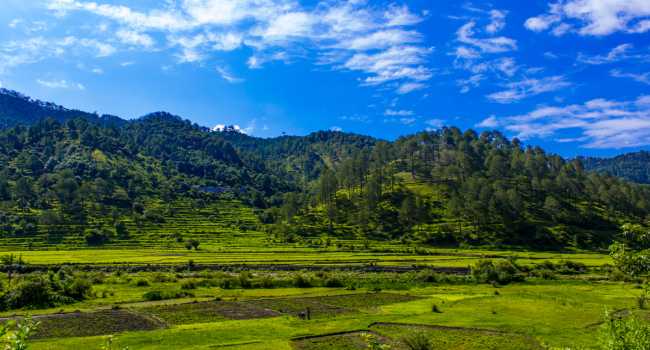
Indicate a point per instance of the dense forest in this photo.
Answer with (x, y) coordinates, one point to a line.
(443, 187)
(631, 166)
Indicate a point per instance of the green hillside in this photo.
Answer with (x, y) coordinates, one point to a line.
(162, 181)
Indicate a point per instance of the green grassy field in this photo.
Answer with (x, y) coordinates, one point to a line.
(559, 313)
(295, 256)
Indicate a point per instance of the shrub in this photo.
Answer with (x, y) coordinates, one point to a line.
(503, 272)
(32, 292)
(189, 284)
(334, 282)
(157, 295)
(625, 334)
(78, 288)
(418, 341)
(142, 283)
(301, 281)
(98, 237)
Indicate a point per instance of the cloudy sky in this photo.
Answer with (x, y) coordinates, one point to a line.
(570, 75)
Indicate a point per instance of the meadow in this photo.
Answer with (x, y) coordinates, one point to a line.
(328, 299)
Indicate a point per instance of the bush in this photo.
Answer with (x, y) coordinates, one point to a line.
(418, 341)
(98, 237)
(503, 272)
(301, 281)
(157, 295)
(625, 334)
(32, 292)
(142, 283)
(185, 285)
(333, 282)
(78, 289)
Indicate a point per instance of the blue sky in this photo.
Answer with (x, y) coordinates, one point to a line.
(571, 75)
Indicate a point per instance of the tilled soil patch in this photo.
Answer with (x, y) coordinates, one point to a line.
(209, 311)
(85, 324)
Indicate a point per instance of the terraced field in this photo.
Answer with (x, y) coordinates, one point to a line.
(558, 313)
(298, 256)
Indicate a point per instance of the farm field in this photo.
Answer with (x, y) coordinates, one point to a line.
(296, 256)
(521, 316)
(156, 299)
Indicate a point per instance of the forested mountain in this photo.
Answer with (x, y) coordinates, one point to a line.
(107, 182)
(16, 108)
(454, 187)
(632, 166)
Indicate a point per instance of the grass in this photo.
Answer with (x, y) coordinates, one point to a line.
(299, 256)
(559, 313)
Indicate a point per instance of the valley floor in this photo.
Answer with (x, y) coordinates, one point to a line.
(205, 313)
(522, 316)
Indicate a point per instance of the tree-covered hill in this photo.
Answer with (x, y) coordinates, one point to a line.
(159, 179)
(631, 166)
(16, 108)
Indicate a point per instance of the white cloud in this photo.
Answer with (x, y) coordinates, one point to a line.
(602, 123)
(618, 53)
(410, 87)
(497, 21)
(401, 16)
(376, 40)
(466, 33)
(336, 128)
(15, 22)
(639, 77)
(520, 90)
(131, 37)
(382, 39)
(594, 17)
(396, 63)
(60, 84)
(435, 123)
(97, 71)
(227, 76)
(489, 122)
(401, 113)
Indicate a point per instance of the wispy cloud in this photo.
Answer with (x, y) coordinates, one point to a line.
(401, 112)
(593, 17)
(638, 77)
(618, 53)
(602, 123)
(227, 76)
(520, 90)
(60, 84)
(378, 41)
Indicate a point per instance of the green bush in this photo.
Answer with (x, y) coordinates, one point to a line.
(157, 295)
(142, 283)
(502, 272)
(418, 341)
(625, 334)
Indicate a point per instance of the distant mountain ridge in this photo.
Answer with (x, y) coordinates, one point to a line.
(633, 166)
(17, 109)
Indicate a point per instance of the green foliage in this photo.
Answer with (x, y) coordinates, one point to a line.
(501, 272)
(631, 166)
(418, 341)
(373, 342)
(157, 295)
(625, 334)
(40, 291)
(14, 335)
(629, 261)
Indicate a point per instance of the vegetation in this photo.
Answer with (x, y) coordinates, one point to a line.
(177, 237)
(630, 166)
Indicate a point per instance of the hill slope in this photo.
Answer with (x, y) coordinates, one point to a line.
(161, 180)
(631, 166)
(16, 108)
